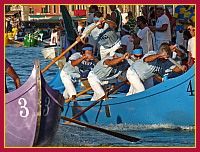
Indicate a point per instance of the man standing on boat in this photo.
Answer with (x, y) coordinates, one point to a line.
(103, 36)
(117, 18)
(106, 70)
(126, 39)
(151, 63)
(79, 65)
(145, 36)
(162, 29)
(62, 33)
(92, 10)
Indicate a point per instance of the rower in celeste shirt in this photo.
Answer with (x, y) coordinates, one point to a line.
(151, 64)
(77, 67)
(106, 70)
(103, 36)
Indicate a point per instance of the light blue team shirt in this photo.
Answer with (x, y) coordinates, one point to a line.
(77, 71)
(146, 70)
(105, 72)
(105, 36)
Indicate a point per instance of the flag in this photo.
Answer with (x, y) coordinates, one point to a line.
(68, 24)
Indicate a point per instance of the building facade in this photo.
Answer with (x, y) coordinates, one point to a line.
(36, 12)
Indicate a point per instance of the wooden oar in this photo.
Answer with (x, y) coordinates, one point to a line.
(177, 64)
(94, 103)
(20, 44)
(123, 79)
(79, 94)
(112, 133)
(69, 48)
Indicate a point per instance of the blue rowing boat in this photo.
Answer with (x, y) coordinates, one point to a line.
(32, 112)
(169, 102)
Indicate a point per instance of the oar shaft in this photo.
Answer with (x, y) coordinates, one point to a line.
(123, 79)
(94, 103)
(79, 94)
(116, 134)
(57, 58)
(174, 62)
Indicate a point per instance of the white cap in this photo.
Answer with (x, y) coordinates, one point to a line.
(60, 18)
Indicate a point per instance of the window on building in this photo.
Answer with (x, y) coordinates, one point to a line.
(54, 9)
(31, 10)
(46, 9)
(73, 7)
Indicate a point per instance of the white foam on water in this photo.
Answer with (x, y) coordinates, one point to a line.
(129, 127)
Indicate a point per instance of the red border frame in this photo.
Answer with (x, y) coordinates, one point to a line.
(52, 149)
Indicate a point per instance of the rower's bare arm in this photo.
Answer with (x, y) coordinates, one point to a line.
(151, 58)
(174, 48)
(115, 61)
(78, 39)
(78, 61)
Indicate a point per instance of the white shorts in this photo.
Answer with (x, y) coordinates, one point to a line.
(70, 89)
(136, 84)
(109, 52)
(95, 83)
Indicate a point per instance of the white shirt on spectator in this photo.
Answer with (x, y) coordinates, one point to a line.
(166, 35)
(146, 39)
(191, 46)
(128, 41)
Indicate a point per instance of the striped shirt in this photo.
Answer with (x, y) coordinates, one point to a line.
(118, 21)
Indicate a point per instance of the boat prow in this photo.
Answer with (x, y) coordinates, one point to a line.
(32, 112)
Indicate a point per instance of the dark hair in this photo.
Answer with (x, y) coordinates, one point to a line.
(187, 33)
(142, 19)
(130, 13)
(85, 45)
(127, 27)
(98, 14)
(94, 7)
(138, 47)
(120, 50)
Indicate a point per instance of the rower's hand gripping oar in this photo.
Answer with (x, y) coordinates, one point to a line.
(112, 133)
(69, 48)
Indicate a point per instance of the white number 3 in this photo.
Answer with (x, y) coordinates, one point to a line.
(23, 113)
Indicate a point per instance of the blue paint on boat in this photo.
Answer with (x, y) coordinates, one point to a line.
(170, 102)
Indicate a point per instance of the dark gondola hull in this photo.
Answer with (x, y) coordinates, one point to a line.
(50, 118)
